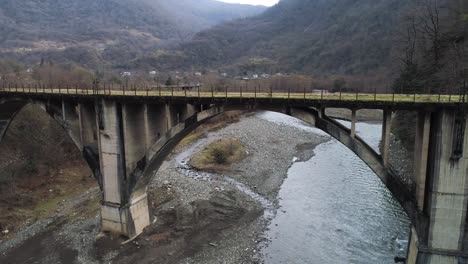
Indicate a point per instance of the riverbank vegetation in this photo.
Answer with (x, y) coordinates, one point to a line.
(40, 168)
(219, 155)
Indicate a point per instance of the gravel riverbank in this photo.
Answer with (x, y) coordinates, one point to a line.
(199, 217)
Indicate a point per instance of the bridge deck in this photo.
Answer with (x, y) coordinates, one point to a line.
(348, 100)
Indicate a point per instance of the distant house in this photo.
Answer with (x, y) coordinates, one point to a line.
(198, 74)
(126, 74)
(153, 73)
(254, 76)
(265, 76)
(224, 74)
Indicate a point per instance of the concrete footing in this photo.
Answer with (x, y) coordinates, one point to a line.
(129, 220)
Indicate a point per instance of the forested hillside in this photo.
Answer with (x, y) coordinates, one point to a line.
(196, 15)
(332, 36)
(93, 33)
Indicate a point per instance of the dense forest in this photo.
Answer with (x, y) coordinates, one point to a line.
(432, 47)
(334, 36)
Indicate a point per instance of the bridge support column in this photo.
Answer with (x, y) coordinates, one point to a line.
(87, 117)
(386, 132)
(120, 214)
(188, 111)
(353, 123)
(302, 115)
(421, 155)
(171, 116)
(321, 112)
(446, 198)
(71, 119)
(155, 123)
(133, 117)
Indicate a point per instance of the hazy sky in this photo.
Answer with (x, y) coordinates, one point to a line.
(253, 2)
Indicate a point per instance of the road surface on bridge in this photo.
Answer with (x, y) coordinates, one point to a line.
(361, 97)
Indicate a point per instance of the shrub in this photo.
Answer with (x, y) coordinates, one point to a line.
(219, 155)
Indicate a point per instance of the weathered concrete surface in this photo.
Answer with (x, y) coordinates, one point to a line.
(111, 152)
(413, 247)
(155, 123)
(71, 121)
(446, 183)
(303, 115)
(353, 123)
(139, 213)
(421, 152)
(134, 136)
(386, 131)
(87, 117)
(122, 143)
(449, 192)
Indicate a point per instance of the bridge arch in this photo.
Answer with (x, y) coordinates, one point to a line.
(84, 135)
(164, 146)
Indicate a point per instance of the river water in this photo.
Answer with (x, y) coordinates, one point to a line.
(333, 208)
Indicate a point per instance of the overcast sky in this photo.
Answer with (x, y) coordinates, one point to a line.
(253, 2)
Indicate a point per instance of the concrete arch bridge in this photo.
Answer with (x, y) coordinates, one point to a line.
(126, 137)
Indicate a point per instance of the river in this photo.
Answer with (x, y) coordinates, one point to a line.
(333, 208)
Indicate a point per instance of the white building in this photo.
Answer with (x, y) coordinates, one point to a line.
(153, 73)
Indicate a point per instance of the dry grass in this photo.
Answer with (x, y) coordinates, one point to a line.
(219, 155)
(212, 125)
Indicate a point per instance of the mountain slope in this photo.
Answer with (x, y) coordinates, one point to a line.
(196, 15)
(90, 32)
(321, 36)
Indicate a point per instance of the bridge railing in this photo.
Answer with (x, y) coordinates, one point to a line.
(257, 92)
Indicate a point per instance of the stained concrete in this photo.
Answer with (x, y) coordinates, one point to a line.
(446, 186)
(386, 131)
(421, 152)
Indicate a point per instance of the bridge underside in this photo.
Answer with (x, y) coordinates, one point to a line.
(126, 142)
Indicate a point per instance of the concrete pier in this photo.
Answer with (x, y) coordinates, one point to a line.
(386, 132)
(353, 123)
(421, 155)
(87, 117)
(446, 193)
